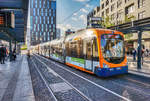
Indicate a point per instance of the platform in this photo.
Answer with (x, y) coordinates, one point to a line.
(15, 81)
(145, 68)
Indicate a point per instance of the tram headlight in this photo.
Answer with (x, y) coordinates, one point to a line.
(105, 66)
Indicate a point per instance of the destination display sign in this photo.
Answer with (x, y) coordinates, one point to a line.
(2, 20)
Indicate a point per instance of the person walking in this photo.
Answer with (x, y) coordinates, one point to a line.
(134, 54)
(142, 55)
(3, 54)
(0, 54)
(14, 54)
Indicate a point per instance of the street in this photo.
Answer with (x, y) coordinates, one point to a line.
(128, 87)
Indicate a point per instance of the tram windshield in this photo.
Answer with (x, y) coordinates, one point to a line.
(113, 48)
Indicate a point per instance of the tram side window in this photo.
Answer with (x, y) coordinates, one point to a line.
(89, 50)
(79, 49)
(95, 50)
(67, 49)
(73, 48)
(60, 49)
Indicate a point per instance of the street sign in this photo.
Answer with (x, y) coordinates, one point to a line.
(7, 19)
(96, 18)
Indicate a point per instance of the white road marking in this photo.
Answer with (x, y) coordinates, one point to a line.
(90, 81)
(140, 74)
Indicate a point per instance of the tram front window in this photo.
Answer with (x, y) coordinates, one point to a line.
(113, 48)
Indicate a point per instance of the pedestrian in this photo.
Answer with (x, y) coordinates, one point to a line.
(142, 55)
(0, 54)
(3, 53)
(14, 54)
(147, 52)
(134, 54)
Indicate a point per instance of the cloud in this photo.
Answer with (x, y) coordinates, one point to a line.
(81, 0)
(83, 10)
(83, 18)
(75, 14)
(88, 6)
(74, 18)
(65, 27)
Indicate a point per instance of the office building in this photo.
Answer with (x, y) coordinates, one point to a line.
(94, 19)
(121, 11)
(42, 21)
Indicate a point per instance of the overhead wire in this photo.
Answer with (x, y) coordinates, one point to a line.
(84, 5)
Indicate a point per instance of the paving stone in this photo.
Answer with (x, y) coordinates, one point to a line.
(60, 87)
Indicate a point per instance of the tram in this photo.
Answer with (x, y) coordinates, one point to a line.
(96, 51)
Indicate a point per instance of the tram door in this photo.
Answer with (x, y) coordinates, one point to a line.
(88, 60)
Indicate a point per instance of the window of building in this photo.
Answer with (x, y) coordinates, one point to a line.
(32, 3)
(103, 6)
(38, 27)
(35, 3)
(107, 2)
(119, 2)
(141, 3)
(120, 15)
(46, 27)
(126, 1)
(53, 4)
(34, 12)
(47, 3)
(113, 17)
(44, 19)
(141, 15)
(53, 12)
(112, 7)
(107, 11)
(42, 27)
(48, 20)
(40, 4)
(36, 35)
(103, 14)
(34, 27)
(129, 9)
(52, 20)
(98, 9)
(40, 20)
(44, 4)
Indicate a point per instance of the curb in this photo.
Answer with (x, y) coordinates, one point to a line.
(139, 73)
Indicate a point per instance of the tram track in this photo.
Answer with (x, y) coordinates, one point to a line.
(45, 82)
(125, 82)
(51, 91)
(90, 82)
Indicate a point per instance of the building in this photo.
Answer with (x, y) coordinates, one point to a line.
(94, 19)
(121, 11)
(68, 32)
(58, 33)
(42, 21)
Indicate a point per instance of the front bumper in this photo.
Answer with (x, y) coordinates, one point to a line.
(106, 72)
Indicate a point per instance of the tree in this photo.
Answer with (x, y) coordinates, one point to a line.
(106, 22)
(129, 18)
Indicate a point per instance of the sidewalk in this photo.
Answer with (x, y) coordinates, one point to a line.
(145, 69)
(15, 81)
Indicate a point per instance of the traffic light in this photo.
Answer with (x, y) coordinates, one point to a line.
(7, 19)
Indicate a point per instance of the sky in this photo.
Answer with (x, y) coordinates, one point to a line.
(66, 8)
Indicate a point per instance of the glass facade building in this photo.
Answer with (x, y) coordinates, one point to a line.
(42, 21)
